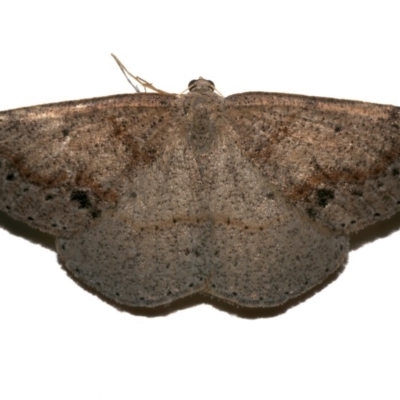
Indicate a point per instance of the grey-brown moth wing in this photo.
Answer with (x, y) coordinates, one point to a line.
(338, 160)
(63, 164)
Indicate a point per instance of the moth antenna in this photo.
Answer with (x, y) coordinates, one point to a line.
(141, 81)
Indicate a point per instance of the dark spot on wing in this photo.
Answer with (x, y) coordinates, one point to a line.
(324, 196)
(81, 197)
(96, 213)
(311, 212)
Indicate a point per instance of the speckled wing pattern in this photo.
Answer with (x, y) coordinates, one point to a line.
(338, 160)
(63, 164)
(248, 198)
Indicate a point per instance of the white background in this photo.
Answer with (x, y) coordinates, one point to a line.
(58, 341)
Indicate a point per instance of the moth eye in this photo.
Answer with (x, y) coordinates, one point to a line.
(211, 83)
(191, 83)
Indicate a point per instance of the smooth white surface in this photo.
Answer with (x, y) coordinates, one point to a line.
(59, 342)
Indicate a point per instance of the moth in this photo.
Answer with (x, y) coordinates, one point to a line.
(152, 197)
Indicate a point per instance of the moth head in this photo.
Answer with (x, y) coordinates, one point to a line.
(201, 85)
